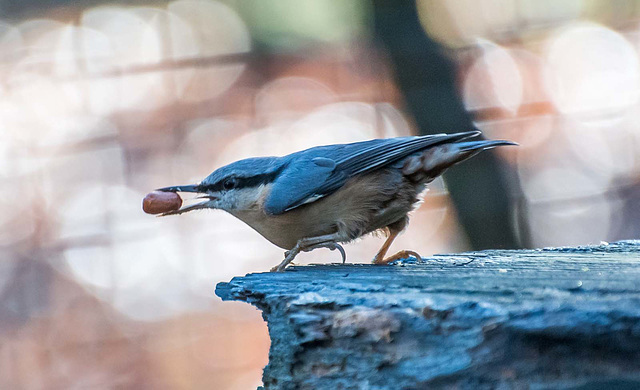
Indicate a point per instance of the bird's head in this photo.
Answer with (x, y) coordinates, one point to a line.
(237, 186)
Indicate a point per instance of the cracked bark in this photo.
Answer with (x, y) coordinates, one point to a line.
(551, 318)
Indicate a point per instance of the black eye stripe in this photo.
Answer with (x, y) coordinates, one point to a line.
(241, 182)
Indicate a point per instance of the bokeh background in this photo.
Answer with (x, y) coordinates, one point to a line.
(101, 102)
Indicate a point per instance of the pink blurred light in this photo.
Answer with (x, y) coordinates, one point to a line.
(216, 30)
(291, 97)
(494, 80)
(592, 73)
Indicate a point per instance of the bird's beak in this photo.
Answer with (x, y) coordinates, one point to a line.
(189, 188)
(186, 188)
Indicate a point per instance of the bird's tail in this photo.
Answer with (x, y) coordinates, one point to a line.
(470, 146)
(435, 160)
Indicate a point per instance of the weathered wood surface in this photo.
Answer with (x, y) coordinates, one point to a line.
(552, 318)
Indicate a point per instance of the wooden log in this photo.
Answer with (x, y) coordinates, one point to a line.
(550, 318)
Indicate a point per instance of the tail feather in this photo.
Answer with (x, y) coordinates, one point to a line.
(456, 137)
(434, 161)
(465, 135)
(469, 146)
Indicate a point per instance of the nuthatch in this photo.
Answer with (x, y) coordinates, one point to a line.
(329, 195)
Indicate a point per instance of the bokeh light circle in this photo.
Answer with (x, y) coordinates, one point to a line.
(592, 73)
(216, 29)
(493, 81)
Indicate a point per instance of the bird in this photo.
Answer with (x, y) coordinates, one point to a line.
(326, 196)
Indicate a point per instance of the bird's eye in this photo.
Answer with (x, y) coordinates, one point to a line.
(230, 183)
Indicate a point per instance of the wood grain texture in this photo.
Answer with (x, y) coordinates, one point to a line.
(550, 318)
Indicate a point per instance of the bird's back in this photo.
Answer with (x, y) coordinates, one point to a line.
(314, 173)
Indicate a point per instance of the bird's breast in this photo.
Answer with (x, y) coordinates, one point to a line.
(284, 230)
(364, 204)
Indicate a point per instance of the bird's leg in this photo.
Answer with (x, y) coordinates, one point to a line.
(288, 258)
(380, 259)
(309, 244)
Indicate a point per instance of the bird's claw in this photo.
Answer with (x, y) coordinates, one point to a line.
(331, 246)
(341, 249)
(291, 254)
(401, 257)
(412, 253)
(342, 252)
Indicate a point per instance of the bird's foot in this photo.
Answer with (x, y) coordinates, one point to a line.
(331, 246)
(404, 254)
(301, 247)
(308, 244)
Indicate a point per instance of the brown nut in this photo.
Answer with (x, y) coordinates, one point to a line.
(157, 202)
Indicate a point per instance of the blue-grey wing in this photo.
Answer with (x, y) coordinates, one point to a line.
(298, 183)
(318, 172)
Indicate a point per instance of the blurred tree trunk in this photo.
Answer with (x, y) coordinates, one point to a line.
(426, 79)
